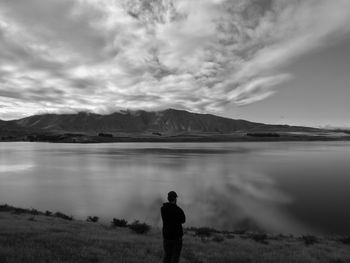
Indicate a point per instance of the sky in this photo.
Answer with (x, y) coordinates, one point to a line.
(271, 61)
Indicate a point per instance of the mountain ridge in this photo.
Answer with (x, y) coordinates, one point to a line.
(170, 121)
(170, 125)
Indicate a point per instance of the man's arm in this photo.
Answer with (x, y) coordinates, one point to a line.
(162, 213)
(182, 217)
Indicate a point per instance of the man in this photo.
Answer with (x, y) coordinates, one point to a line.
(173, 217)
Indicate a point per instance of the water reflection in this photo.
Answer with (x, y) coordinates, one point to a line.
(226, 186)
(12, 168)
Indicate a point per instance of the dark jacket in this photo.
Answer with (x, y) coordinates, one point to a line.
(173, 218)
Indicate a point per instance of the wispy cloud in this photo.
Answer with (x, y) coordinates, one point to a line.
(197, 55)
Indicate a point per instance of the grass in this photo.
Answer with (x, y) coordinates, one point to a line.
(35, 237)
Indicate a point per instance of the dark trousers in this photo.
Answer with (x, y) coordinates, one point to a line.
(172, 250)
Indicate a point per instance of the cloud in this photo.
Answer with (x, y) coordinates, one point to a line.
(154, 54)
(256, 89)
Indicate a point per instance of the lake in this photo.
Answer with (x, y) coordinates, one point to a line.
(279, 187)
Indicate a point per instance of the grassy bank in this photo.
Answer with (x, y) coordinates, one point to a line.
(33, 236)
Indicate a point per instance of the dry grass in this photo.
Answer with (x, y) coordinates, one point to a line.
(39, 238)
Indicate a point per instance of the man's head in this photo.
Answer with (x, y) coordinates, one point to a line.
(172, 197)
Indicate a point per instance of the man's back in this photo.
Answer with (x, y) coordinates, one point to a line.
(173, 218)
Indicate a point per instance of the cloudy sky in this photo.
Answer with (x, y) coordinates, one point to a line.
(274, 61)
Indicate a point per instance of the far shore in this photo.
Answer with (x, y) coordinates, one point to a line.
(29, 235)
(181, 137)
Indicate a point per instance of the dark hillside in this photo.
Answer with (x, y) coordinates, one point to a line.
(170, 121)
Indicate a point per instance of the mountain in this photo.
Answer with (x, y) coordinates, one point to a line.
(167, 121)
(11, 128)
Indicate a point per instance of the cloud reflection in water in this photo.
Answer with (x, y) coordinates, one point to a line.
(221, 190)
(219, 185)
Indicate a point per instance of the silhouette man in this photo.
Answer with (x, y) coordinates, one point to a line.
(173, 217)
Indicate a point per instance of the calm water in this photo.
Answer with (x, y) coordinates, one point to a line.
(278, 187)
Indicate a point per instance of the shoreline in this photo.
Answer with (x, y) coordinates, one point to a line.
(89, 139)
(47, 237)
(204, 230)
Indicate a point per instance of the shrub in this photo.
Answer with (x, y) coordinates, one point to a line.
(93, 219)
(108, 135)
(48, 213)
(119, 222)
(218, 239)
(140, 228)
(204, 231)
(5, 208)
(345, 240)
(63, 216)
(34, 212)
(309, 240)
(17, 210)
(230, 236)
(239, 231)
(260, 237)
(263, 134)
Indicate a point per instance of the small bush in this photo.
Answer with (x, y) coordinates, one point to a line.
(93, 219)
(63, 216)
(345, 240)
(281, 237)
(204, 231)
(119, 222)
(218, 239)
(5, 208)
(230, 236)
(48, 213)
(263, 134)
(34, 212)
(260, 237)
(140, 228)
(309, 240)
(108, 135)
(239, 231)
(17, 210)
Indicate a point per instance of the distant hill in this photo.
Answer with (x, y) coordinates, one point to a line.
(167, 121)
(11, 128)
